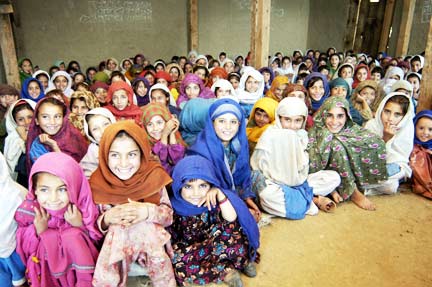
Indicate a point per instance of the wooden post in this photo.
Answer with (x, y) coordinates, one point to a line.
(7, 46)
(363, 13)
(351, 25)
(388, 19)
(193, 25)
(405, 27)
(425, 100)
(260, 32)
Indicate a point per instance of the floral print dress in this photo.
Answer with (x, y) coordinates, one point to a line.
(206, 247)
(359, 156)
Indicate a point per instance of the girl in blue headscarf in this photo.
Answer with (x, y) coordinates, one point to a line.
(318, 89)
(32, 89)
(213, 232)
(421, 156)
(223, 141)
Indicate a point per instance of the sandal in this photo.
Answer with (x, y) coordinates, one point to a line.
(325, 203)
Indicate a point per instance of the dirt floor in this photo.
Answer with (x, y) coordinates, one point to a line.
(391, 246)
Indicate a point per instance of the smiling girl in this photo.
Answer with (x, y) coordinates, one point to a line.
(223, 141)
(129, 186)
(421, 156)
(262, 116)
(336, 143)
(164, 137)
(120, 102)
(32, 89)
(57, 234)
(18, 119)
(50, 130)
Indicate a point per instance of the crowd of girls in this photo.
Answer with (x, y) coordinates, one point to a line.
(163, 170)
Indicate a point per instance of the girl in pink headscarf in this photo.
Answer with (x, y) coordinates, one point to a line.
(193, 87)
(57, 236)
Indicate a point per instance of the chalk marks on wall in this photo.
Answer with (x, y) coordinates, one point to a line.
(118, 11)
(275, 11)
(426, 11)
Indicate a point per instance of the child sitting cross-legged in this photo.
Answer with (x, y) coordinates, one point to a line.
(213, 232)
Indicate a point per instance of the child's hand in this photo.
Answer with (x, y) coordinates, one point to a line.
(121, 214)
(73, 216)
(41, 220)
(176, 124)
(22, 132)
(141, 209)
(389, 131)
(253, 208)
(210, 200)
(45, 139)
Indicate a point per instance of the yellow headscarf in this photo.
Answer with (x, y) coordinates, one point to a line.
(254, 132)
(277, 82)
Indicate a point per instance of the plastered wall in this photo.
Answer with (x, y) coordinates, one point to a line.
(225, 26)
(92, 30)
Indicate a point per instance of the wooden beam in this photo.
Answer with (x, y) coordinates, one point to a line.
(388, 19)
(425, 99)
(193, 25)
(405, 27)
(260, 32)
(351, 25)
(361, 25)
(7, 46)
(6, 9)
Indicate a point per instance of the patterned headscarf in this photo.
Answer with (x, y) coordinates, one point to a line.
(156, 109)
(359, 156)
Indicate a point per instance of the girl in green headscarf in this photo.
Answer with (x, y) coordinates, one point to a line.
(337, 143)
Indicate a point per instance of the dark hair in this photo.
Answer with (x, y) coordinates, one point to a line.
(20, 107)
(115, 74)
(313, 81)
(378, 70)
(234, 75)
(222, 54)
(51, 98)
(277, 60)
(174, 59)
(51, 70)
(198, 67)
(412, 75)
(323, 67)
(167, 95)
(286, 57)
(8, 90)
(72, 63)
(302, 76)
(402, 101)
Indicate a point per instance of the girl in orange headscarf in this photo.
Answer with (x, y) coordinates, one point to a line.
(261, 117)
(129, 186)
(277, 88)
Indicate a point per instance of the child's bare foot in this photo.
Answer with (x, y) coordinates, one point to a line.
(324, 203)
(336, 197)
(361, 201)
(232, 279)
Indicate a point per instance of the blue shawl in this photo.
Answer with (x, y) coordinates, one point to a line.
(428, 114)
(209, 145)
(317, 104)
(193, 118)
(24, 90)
(197, 167)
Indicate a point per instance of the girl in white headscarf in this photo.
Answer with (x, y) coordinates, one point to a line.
(61, 80)
(394, 123)
(251, 88)
(281, 157)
